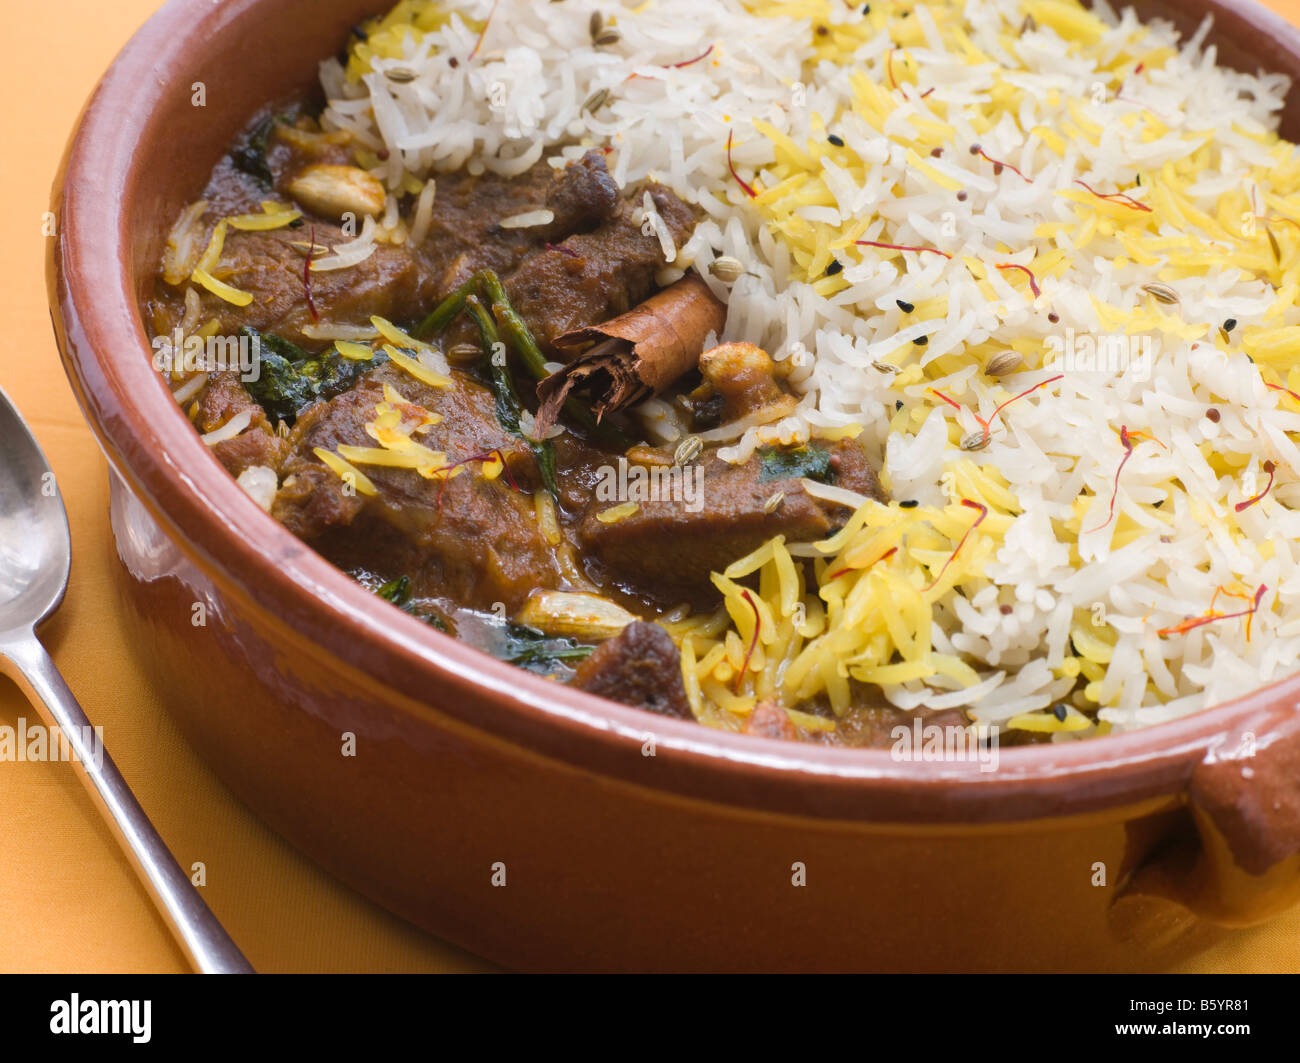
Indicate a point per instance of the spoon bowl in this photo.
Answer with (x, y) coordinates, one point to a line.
(35, 545)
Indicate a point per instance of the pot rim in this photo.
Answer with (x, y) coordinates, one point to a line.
(156, 451)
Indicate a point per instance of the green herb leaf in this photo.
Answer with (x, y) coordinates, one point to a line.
(536, 651)
(796, 463)
(286, 349)
(333, 374)
(250, 156)
(290, 379)
(280, 389)
(397, 591)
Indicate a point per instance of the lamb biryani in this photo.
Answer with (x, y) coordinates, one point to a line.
(802, 368)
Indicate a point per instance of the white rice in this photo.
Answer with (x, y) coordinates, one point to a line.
(528, 219)
(352, 252)
(260, 483)
(229, 430)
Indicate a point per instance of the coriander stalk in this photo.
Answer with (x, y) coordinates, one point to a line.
(508, 405)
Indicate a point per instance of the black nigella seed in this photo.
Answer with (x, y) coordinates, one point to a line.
(866, 9)
(1230, 324)
(297, 223)
(1158, 503)
(921, 341)
(909, 503)
(898, 404)
(837, 141)
(1060, 712)
(834, 268)
(822, 31)
(904, 306)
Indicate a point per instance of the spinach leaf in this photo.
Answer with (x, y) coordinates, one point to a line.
(398, 592)
(537, 652)
(286, 349)
(280, 389)
(290, 379)
(250, 156)
(795, 463)
(333, 374)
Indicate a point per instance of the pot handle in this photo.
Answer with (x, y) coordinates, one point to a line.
(1244, 799)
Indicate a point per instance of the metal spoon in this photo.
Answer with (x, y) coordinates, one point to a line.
(35, 557)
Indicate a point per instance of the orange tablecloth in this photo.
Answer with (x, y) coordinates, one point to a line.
(68, 899)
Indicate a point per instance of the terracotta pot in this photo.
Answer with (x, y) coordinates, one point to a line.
(1084, 856)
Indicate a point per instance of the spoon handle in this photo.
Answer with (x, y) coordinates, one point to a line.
(200, 936)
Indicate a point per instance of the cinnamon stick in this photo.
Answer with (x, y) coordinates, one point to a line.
(637, 354)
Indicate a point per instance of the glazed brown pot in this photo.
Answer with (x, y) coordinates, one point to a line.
(1114, 853)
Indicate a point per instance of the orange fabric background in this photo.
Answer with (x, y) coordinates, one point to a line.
(68, 898)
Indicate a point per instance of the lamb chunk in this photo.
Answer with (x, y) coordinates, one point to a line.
(592, 277)
(225, 397)
(312, 501)
(254, 446)
(769, 720)
(640, 666)
(669, 551)
(391, 283)
(466, 234)
(400, 282)
(584, 196)
(475, 540)
(853, 471)
(871, 726)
